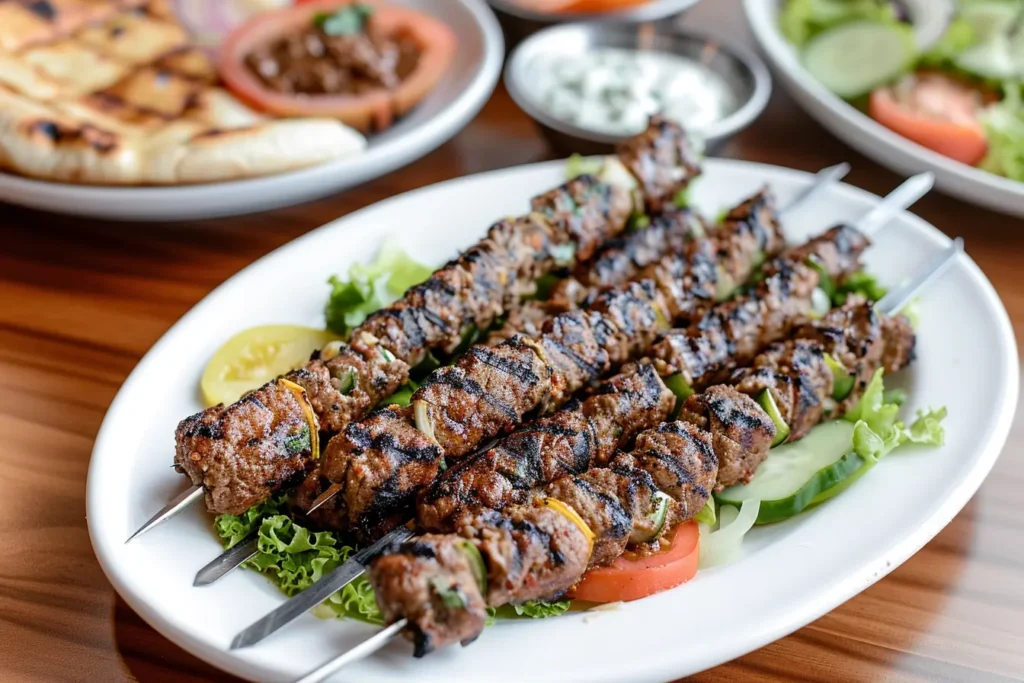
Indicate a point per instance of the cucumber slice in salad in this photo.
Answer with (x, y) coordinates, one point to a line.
(767, 401)
(795, 474)
(853, 59)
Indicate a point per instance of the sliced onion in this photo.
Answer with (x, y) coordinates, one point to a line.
(421, 413)
(724, 546)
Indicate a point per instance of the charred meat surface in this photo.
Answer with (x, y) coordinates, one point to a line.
(431, 582)
(571, 441)
(240, 454)
(741, 432)
(662, 160)
(567, 225)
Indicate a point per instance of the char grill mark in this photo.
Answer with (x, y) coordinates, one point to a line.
(571, 441)
(473, 289)
(619, 325)
(741, 432)
(730, 334)
(241, 453)
(721, 439)
(662, 160)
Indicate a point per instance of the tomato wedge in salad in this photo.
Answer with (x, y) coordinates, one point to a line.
(935, 111)
(364, 108)
(631, 579)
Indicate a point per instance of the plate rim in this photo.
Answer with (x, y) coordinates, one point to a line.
(894, 553)
(782, 56)
(404, 149)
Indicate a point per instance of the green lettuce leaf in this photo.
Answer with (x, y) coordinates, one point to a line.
(371, 287)
(578, 165)
(1004, 127)
(707, 513)
(959, 36)
(294, 558)
(539, 609)
(862, 283)
(878, 431)
(927, 428)
(801, 20)
(233, 529)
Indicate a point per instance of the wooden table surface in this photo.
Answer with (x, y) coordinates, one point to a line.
(81, 301)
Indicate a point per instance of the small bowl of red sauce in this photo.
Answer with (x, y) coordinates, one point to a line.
(521, 18)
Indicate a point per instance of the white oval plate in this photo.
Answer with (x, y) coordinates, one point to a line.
(446, 110)
(791, 573)
(868, 136)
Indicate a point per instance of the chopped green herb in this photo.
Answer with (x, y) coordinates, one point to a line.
(347, 21)
(298, 442)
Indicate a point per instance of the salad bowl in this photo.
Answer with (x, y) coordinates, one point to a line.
(866, 135)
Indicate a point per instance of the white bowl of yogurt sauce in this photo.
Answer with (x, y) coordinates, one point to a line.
(591, 85)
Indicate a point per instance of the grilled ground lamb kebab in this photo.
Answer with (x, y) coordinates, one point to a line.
(380, 463)
(240, 454)
(587, 433)
(442, 583)
(622, 259)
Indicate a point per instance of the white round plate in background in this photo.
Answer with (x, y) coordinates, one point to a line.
(868, 136)
(790, 574)
(447, 109)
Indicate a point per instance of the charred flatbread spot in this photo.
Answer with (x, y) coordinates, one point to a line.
(42, 8)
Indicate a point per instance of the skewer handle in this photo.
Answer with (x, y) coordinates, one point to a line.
(898, 200)
(895, 300)
(363, 649)
(821, 180)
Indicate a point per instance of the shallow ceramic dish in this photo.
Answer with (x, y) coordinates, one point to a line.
(741, 70)
(447, 109)
(866, 135)
(791, 573)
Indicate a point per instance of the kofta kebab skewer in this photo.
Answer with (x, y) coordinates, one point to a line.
(540, 549)
(222, 448)
(621, 260)
(354, 567)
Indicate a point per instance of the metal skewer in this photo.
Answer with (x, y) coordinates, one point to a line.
(178, 504)
(890, 304)
(821, 180)
(896, 202)
(363, 649)
(245, 551)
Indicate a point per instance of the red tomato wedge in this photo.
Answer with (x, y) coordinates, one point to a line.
(372, 110)
(936, 112)
(627, 579)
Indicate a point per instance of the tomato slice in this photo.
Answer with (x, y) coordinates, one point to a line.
(255, 356)
(632, 579)
(371, 110)
(936, 112)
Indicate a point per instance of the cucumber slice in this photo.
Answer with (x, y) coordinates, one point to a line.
(853, 59)
(767, 401)
(842, 380)
(796, 474)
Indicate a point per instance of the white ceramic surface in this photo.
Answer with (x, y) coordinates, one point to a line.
(866, 135)
(791, 572)
(447, 109)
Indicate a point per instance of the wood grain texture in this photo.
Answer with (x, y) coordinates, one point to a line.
(81, 301)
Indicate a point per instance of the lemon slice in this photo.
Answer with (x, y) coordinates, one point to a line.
(255, 356)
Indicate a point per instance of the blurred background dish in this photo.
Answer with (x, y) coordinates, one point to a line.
(521, 18)
(589, 85)
(453, 100)
(939, 84)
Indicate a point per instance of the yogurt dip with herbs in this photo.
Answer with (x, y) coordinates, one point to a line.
(613, 91)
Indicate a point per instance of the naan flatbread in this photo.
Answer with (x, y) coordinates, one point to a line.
(105, 92)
